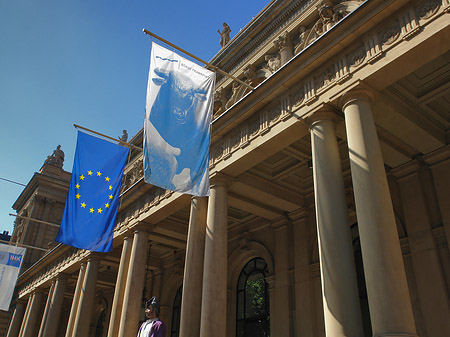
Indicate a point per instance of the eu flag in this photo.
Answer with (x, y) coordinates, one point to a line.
(93, 198)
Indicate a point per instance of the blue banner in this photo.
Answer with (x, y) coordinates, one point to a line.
(177, 124)
(11, 258)
(93, 199)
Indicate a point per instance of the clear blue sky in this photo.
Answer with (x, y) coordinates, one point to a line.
(65, 62)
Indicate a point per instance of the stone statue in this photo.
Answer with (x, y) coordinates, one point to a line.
(124, 137)
(57, 158)
(273, 62)
(224, 35)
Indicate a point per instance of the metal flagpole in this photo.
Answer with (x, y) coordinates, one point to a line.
(198, 59)
(103, 135)
(26, 246)
(35, 220)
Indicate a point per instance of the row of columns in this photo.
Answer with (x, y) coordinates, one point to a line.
(27, 322)
(387, 289)
(205, 276)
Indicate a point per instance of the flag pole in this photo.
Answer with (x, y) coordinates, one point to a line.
(35, 220)
(198, 59)
(23, 245)
(103, 135)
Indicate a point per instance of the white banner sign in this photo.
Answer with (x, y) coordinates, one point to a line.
(10, 261)
(177, 123)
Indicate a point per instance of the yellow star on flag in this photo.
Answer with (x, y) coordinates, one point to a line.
(107, 205)
(90, 172)
(99, 210)
(111, 196)
(107, 178)
(77, 196)
(82, 177)
(91, 210)
(99, 173)
(77, 186)
(83, 205)
(110, 187)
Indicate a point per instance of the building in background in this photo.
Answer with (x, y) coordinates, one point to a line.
(330, 191)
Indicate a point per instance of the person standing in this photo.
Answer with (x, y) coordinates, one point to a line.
(153, 326)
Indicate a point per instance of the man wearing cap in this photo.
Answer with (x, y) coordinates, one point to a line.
(153, 326)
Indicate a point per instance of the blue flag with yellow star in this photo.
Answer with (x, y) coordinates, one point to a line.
(93, 198)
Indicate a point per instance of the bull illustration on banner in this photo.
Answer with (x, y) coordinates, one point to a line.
(176, 142)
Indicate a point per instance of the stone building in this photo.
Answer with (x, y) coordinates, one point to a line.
(329, 212)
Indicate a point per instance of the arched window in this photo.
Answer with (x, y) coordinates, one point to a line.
(253, 300)
(175, 330)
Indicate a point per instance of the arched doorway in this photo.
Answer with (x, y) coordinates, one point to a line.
(252, 303)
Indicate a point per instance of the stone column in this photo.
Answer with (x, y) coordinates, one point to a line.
(76, 300)
(86, 302)
(337, 267)
(429, 278)
(214, 294)
(440, 166)
(30, 325)
(16, 320)
(387, 288)
(129, 319)
(47, 308)
(116, 310)
(281, 289)
(303, 285)
(284, 45)
(191, 303)
(52, 314)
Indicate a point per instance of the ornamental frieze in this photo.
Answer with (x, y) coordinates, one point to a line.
(391, 33)
(356, 57)
(59, 266)
(372, 47)
(428, 8)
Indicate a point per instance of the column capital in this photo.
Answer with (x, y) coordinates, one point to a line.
(143, 227)
(61, 276)
(194, 198)
(283, 41)
(218, 179)
(356, 95)
(94, 256)
(324, 113)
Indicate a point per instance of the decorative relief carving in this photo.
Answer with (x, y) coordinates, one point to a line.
(254, 127)
(300, 45)
(235, 140)
(250, 72)
(237, 92)
(298, 97)
(356, 57)
(283, 41)
(218, 152)
(220, 101)
(274, 113)
(327, 77)
(391, 34)
(428, 8)
(273, 62)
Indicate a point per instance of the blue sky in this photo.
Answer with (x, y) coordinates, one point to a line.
(86, 62)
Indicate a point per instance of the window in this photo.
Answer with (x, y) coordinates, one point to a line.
(253, 300)
(175, 330)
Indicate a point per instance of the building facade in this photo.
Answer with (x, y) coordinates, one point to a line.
(329, 212)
